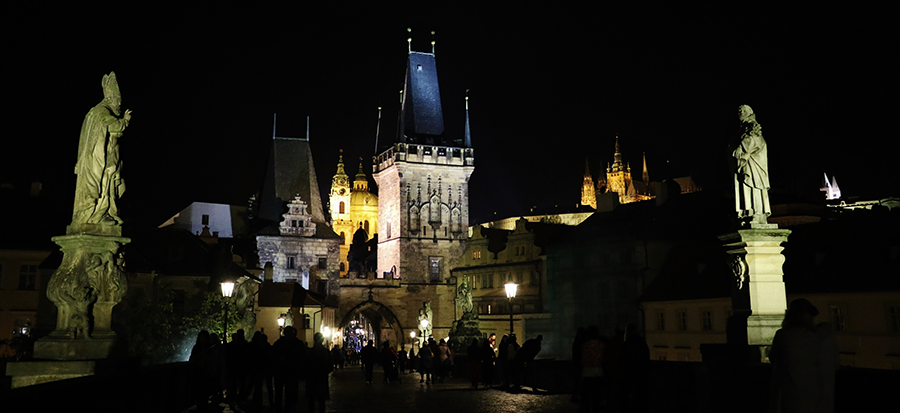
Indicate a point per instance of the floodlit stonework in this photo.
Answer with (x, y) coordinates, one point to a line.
(352, 208)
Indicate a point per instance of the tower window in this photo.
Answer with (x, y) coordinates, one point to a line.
(343, 238)
(290, 263)
(205, 219)
(419, 68)
(341, 207)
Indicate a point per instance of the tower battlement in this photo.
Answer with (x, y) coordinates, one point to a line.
(424, 154)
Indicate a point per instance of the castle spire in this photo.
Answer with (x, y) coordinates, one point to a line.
(646, 175)
(588, 191)
(340, 165)
(468, 139)
(617, 158)
(378, 128)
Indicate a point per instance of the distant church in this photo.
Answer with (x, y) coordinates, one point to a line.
(353, 208)
(618, 187)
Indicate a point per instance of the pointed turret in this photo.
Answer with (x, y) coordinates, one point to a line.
(421, 115)
(468, 139)
(588, 192)
(361, 182)
(617, 159)
(645, 176)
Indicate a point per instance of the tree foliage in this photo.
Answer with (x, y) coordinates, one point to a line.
(151, 326)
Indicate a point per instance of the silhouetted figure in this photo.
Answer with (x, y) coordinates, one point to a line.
(577, 343)
(217, 351)
(389, 363)
(237, 364)
(798, 353)
(591, 370)
(402, 360)
(487, 363)
(502, 362)
(337, 356)
(512, 362)
(613, 370)
(635, 355)
(290, 354)
(829, 363)
(202, 372)
(413, 360)
(369, 356)
(445, 356)
(530, 350)
(261, 365)
(426, 365)
(473, 353)
(319, 365)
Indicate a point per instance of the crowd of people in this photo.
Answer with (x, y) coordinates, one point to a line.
(236, 372)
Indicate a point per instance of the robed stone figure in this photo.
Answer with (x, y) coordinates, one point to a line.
(751, 170)
(99, 183)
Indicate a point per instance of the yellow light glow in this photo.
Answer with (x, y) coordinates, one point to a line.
(227, 289)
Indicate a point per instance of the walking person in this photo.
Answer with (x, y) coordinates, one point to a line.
(512, 363)
(369, 356)
(290, 354)
(389, 363)
(402, 360)
(426, 365)
(473, 353)
(487, 363)
(202, 372)
(445, 357)
(591, 370)
(502, 370)
(319, 365)
(337, 356)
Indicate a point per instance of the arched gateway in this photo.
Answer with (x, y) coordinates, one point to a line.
(383, 321)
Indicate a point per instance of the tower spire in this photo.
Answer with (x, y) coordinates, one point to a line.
(378, 128)
(617, 158)
(409, 39)
(646, 175)
(468, 137)
(588, 192)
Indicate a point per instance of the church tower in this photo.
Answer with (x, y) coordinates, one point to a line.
(339, 202)
(423, 204)
(588, 195)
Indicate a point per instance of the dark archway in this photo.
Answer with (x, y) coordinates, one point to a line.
(385, 324)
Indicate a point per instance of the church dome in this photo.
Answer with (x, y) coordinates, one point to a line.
(363, 198)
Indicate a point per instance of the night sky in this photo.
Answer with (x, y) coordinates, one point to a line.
(549, 87)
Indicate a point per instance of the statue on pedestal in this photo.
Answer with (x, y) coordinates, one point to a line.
(100, 184)
(464, 297)
(751, 170)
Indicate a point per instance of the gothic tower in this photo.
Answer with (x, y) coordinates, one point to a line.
(588, 195)
(339, 202)
(423, 204)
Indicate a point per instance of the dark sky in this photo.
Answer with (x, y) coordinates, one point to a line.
(549, 87)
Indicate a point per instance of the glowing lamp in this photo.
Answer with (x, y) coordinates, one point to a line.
(511, 288)
(227, 289)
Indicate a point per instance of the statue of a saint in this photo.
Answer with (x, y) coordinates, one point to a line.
(100, 184)
(751, 170)
(464, 297)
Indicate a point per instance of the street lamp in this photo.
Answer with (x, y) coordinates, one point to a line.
(412, 338)
(510, 294)
(227, 289)
(281, 325)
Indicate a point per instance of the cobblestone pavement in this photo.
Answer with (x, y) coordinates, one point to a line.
(349, 393)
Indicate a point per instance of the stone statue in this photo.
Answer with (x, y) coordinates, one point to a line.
(464, 297)
(99, 184)
(751, 170)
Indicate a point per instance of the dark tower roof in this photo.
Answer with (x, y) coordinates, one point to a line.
(421, 116)
(290, 172)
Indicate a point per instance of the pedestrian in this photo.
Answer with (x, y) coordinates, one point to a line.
(337, 356)
(318, 366)
(473, 353)
(369, 356)
(236, 353)
(530, 350)
(445, 356)
(501, 365)
(202, 372)
(487, 363)
(798, 382)
(389, 363)
(635, 356)
(591, 370)
(413, 360)
(512, 363)
(217, 352)
(402, 360)
(290, 355)
(426, 365)
(260, 356)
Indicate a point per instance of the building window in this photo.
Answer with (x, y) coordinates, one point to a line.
(342, 267)
(706, 320)
(476, 255)
(323, 263)
(389, 228)
(343, 238)
(838, 318)
(366, 226)
(424, 231)
(205, 219)
(661, 320)
(341, 207)
(488, 308)
(894, 318)
(290, 263)
(435, 267)
(27, 277)
(682, 320)
(294, 223)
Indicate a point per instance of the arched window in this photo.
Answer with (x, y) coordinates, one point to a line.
(343, 241)
(342, 207)
(367, 227)
(342, 267)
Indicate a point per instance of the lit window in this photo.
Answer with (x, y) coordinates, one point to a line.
(706, 317)
(476, 254)
(435, 266)
(837, 318)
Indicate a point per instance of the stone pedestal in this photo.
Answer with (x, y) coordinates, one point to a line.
(89, 282)
(758, 287)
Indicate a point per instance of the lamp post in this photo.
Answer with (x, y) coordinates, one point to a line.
(412, 339)
(510, 294)
(227, 289)
(281, 325)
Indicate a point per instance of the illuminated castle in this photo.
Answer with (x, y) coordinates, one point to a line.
(352, 208)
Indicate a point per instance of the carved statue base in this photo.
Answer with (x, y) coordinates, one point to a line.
(89, 282)
(463, 331)
(758, 288)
